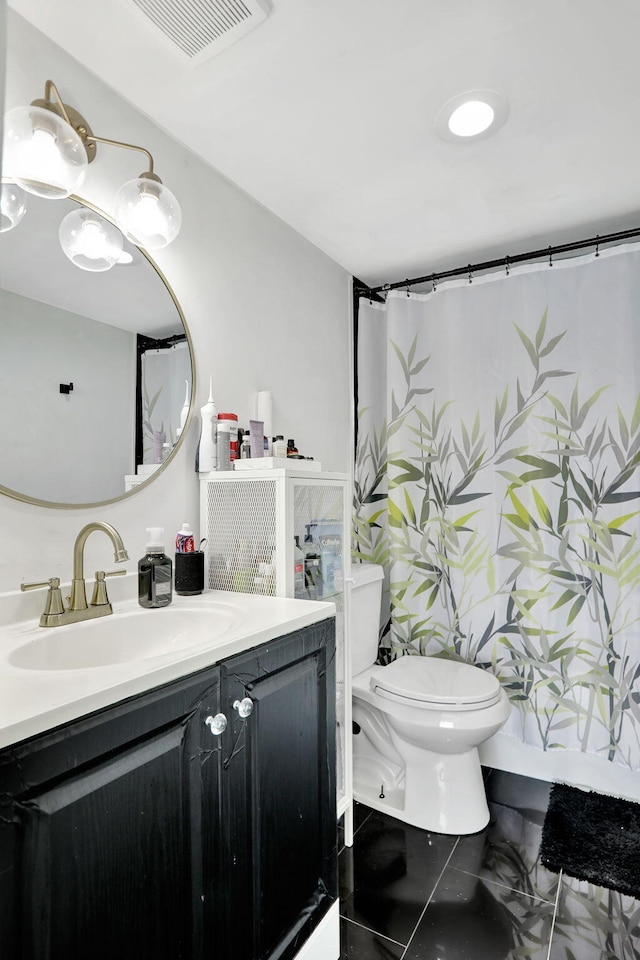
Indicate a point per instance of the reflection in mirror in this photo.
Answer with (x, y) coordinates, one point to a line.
(96, 372)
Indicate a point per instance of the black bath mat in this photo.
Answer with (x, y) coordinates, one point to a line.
(593, 837)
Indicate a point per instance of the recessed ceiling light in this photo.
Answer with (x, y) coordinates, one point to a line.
(471, 118)
(473, 115)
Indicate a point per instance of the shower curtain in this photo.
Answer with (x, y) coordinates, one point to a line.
(497, 482)
(166, 379)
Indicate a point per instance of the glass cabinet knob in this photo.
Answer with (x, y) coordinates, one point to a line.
(244, 707)
(217, 724)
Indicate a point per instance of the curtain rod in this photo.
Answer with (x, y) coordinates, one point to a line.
(470, 268)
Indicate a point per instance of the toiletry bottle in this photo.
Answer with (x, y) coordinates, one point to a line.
(245, 447)
(243, 569)
(224, 446)
(292, 450)
(230, 422)
(154, 572)
(159, 439)
(279, 446)
(207, 451)
(312, 578)
(185, 542)
(298, 570)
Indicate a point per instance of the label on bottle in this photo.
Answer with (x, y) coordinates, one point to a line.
(185, 543)
(224, 452)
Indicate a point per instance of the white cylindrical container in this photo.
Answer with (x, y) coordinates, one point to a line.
(264, 406)
(264, 411)
(184, 413)
(207, 450)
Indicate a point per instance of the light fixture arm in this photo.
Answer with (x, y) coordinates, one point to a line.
(128, 146)
(53, 101)
(61, 108)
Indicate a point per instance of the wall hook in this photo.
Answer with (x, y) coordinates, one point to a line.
(66, 388)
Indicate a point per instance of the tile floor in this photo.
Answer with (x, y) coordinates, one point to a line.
(413, 895)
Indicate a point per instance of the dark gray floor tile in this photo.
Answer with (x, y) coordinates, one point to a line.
(595, 924)
(358, 943)
(472, 919)
(346, 870)
(507, 851)
(389, 874)
(523, 793)
(360, 814)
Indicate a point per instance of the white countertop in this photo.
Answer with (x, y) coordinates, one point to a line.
(35, 700)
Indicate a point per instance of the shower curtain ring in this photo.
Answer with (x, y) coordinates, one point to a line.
(507, 265)
(550, 257)
(434, 283)
(470, 277)
(407, 283)
(597, 245)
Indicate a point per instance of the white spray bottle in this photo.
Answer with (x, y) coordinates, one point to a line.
(207, 450)
(184, 413)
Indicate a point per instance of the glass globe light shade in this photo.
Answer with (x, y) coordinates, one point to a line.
(147, 213)
(89, 241)
(13, 206)
(43, 153)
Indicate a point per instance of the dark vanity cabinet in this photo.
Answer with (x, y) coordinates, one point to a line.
(148, 831)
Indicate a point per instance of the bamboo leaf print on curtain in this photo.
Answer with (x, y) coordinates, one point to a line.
(497, 481)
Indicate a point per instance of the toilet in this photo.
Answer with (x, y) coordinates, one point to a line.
(417, 726)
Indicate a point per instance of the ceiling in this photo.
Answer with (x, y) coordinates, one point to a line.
(324, 113)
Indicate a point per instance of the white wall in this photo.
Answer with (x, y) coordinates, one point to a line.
(62, 444)
(265, 310)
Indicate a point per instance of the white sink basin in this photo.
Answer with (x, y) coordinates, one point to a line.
(127, 636)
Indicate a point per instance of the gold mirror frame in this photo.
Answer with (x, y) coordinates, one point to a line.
(24, 498)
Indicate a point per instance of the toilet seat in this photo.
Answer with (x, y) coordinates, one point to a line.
(436, 684)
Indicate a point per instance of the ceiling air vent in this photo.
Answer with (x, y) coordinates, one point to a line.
(202, 28)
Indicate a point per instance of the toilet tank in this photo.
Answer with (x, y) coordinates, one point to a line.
(366, 595)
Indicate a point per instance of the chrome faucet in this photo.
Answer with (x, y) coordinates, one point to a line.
(55, 614)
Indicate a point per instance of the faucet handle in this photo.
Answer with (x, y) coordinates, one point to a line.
(53, 603)
(53, 582)
(100, 597)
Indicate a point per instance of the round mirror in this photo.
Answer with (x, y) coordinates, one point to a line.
(96, 363)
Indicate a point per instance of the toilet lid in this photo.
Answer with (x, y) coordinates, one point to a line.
(431, 680)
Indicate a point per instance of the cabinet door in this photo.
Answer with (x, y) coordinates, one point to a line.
(278, 790)
(99, 833)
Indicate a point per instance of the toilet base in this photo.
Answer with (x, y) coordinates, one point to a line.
(443, 793)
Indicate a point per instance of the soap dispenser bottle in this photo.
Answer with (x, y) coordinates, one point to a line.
(154, 572)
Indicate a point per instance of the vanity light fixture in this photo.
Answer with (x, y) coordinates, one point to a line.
(47, 149)
(473, 115)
